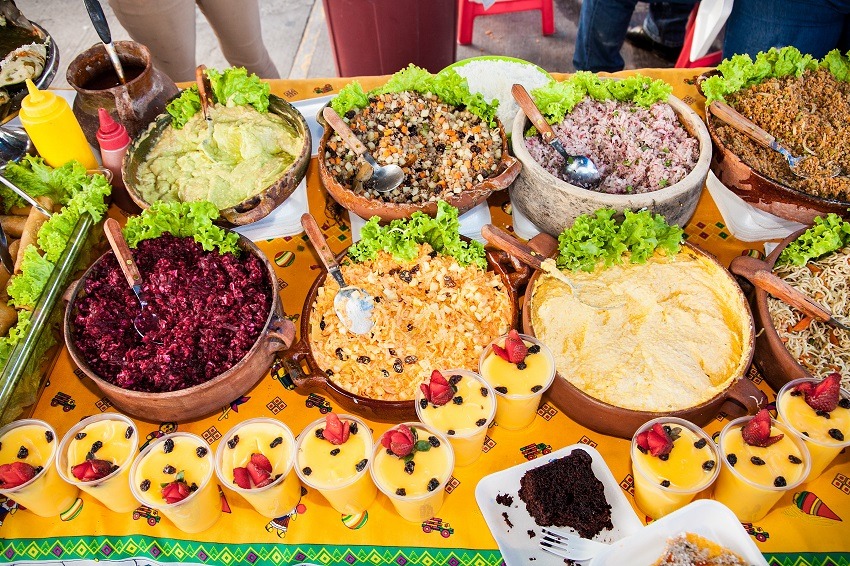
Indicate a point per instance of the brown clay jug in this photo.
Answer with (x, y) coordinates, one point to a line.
(134, 104)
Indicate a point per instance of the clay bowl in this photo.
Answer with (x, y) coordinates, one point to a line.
(553, 205)
(366, 208)
(740, 396)
(252, 209)
(763, 192)
(306, 375)
(206, 398)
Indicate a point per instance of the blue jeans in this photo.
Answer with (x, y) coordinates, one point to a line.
(603, 24)
(812, 26)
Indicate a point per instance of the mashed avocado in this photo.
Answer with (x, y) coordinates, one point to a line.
(246, 153)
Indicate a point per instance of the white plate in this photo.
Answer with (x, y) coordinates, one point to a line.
(514, 542)
(705, 517)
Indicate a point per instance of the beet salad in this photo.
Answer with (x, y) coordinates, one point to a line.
(210, 309)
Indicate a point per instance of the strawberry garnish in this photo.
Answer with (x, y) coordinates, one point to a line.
(241, 478)
(437, 391)
(259, 475)
(261, 462)
(92, 470)
(823, 396)
(399, 440)
(657, 441)
(176, 491)
(757, 431)
(15, 474)
(514, 350)
(335, 431)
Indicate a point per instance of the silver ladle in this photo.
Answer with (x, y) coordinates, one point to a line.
(579, 170)
(384, 177)
(352, 305)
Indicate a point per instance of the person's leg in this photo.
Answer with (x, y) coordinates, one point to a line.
(237, 26)
(167, 28)
(601, 32)
(812, 26)
(665, 22)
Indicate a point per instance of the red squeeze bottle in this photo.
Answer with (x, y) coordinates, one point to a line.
(114, 141)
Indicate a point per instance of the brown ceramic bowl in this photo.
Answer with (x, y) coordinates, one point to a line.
(252, 209)
(366, 208)
(763, 192)
(739, 397)
(306, 374)
(206, 398)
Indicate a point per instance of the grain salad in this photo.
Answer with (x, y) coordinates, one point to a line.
(430, 313)
(442, 149)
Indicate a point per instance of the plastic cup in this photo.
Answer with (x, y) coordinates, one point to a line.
(111, 430)
(348, 489)
(799, 417)
(45, 494)
(751, 500)
(683, 469)
(256, 436)
(202, 508)
(464, 424)
(389, 475)
(518, 391)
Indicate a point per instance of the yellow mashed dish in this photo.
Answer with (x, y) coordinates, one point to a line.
(679, 336)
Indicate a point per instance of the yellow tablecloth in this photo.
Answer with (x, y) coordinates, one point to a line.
(788, 535)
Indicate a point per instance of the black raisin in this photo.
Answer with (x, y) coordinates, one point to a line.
(233, 441)
(335, 452)
(412, 130)
(410, 359)
(665, 483)
(377, 299)
(363, 359)
(409, 327)
(168, 445)
(458, 400)
(501, 389)
(794, 460)
(423, 403)
(664, 457)
(169, 469)
(129, 432)
(392, 352)
(536, 388)
(352, 428)
(844, 403)
(401, 492)
(455, 379)
(80, 435)
(97, 445)
(796, 393)
(521, 366)
(48, 436)
(23, 453)
(39, 469)
(350, 114)
(485, 392)
(89, 456)
(757, 461)
(405, 276)
(329, 372)
(433, 484)
(276, 442)
(448, 281)
(440, 147)
(397, 367)
(385, 373)
(320, 433)
(470, 138)
(642, 449)
(415, 269)
(307, 470)
(201, 451)
(145, 485)
(667, 429)
(194, 487)
(390, 452)
(534, 349)
(408, 467)
(779, 482)
(340, 354)
(708, 465)
(322, 324)
(434, 441)
(823, 414)
(836, 434)
(361, 465)
(480, 422)
(450, 432)
(732, 459)
(700, 444)
(474, 149)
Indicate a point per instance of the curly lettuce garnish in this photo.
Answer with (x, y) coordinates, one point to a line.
(402, 238)
(231, 87)
(599, 237)
(825, 236)
(182, 219)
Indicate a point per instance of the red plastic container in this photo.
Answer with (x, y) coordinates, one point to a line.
(380, 37)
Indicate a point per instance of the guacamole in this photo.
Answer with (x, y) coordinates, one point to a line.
(247, 152)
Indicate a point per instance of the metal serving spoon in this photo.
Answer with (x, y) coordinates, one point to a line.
(352, 305)
(761, 137)
(580, 170)
(146, 321)
(384, 177)
(206, 102)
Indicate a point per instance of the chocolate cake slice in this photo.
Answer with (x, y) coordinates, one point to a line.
(566, 493)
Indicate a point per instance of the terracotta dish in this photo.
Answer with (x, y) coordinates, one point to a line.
(206, 398)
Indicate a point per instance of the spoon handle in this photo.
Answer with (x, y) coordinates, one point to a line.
(113, 233)
(343, 130)
(742, 124)
(320, 244)
(204, 90)
(513, 246)
(530, 108)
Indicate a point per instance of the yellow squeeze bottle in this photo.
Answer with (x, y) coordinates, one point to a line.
(54, 130)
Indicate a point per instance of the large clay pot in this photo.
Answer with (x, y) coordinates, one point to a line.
(134, 104)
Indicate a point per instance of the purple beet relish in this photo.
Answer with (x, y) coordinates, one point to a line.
(211, 309)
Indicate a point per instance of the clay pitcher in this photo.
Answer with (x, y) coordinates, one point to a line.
(134, 104)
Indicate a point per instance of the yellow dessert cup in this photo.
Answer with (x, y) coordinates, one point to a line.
(793, 411)
(389, 475)
(202, 508)
(751, 500)
(683, 469)
(256, 436)
(45, 494)
(517, 406)
(111, 430)
(460, 422)
(348, 490)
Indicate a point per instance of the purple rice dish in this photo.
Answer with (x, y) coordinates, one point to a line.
(211, 309)
(636, 149)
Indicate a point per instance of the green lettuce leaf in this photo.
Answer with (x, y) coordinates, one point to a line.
(402, 238)
(37, 178)
(600, 238)
(25, 288)
(350, 97)
(15, 335)
(825, 236)
(837, 64)
(182, 219)
(88, 195)
(184, 107)
(235, 87)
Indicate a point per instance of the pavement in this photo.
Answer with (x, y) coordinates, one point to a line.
(296, 35)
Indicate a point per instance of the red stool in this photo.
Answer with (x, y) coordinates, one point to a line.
(469, 10)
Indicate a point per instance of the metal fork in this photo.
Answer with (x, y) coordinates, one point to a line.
(568, 545)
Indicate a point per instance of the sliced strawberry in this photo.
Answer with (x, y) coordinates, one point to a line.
(176, 491)
(15, 474)
(642, 441)
(241, 478)
(805, 388)
(399, 440)
(501, 352)
(335, 431)
(437, 391)
(825, 395)
(92, 470)
(515, 347)
(258, 475)
(757, 431)
(261, 462)
(659, 441)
